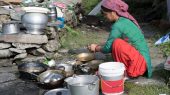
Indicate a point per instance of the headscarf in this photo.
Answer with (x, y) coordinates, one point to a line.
(120, 7)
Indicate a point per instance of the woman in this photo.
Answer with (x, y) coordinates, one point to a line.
(126, 42)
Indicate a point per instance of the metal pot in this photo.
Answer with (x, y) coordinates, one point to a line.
(83, 85)
(85, 56)
(28, 69)
(68, 68)
(10, 28)
(35, 22)
(51, 79)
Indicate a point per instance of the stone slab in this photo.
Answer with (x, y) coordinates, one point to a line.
(5, 45)
(24, 38)
(3, 11)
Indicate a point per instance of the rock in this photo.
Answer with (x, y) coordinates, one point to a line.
(20, 56)
(6, 63)
(4, 18)
(57, 56)
(52, 45)
(5, 53)
(5, 45)
(16, 15)
(14, 1)
(49, 55)
(36, 52)
(33, 58)
(24, 38)
(3, 11)
(16, 50)
(25, 46)
(52, 33)
(4, 77)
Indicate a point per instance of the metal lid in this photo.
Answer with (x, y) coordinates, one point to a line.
(59, 91)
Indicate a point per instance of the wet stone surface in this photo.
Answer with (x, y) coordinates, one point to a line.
(20, 87)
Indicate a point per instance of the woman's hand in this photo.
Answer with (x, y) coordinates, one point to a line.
(93, 47)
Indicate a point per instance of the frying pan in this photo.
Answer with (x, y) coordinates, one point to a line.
(27, 69)
(51, 79)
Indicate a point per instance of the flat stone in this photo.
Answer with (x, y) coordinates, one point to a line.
(20, 56)
(6, 62)
(16, 50)
(5, 45)
(4, 77)
(24, 38)
(25, 46)
(52, 45)
(5, 53)
(3, 11)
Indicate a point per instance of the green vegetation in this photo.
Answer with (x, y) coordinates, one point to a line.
(82, 39)
(133, 89)
(165, 48)
(89, 4)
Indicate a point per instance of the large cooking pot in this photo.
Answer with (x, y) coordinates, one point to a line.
(10, 28)
(35, 22)
(51, 79)
(83, 85)
(27, 69)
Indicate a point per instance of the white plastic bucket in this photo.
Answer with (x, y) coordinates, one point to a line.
(112, 74)
(111, 69)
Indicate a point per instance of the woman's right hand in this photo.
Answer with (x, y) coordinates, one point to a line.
(92, 47)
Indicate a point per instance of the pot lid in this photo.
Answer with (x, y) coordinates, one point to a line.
(59, 91)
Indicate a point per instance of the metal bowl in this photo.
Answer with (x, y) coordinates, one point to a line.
(10, 28)
(85, 56)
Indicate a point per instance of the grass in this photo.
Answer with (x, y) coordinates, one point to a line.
(84, 38)
(89, 5)
(133, 89)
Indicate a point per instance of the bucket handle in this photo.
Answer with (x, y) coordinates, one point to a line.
(113, 86)
(92, 85)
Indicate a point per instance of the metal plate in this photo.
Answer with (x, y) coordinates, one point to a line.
(59, 91)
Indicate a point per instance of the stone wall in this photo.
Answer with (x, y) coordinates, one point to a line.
(26, 47)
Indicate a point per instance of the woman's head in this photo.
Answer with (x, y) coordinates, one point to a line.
(109, 14)
(112, 8)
